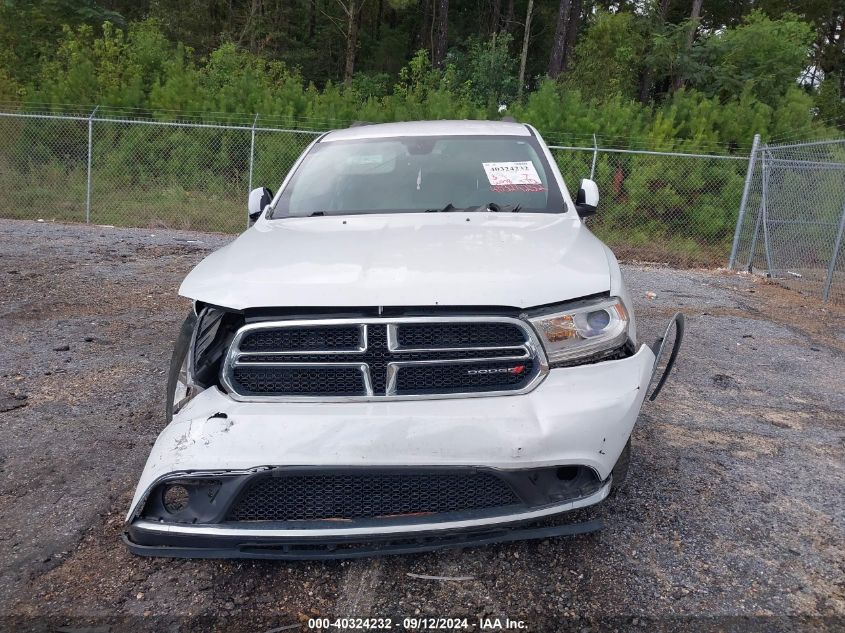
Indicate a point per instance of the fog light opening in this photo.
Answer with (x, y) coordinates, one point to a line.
(567, 473)
(175, 498)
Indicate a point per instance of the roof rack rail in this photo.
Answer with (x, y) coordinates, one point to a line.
(509, 119)
(360, 123)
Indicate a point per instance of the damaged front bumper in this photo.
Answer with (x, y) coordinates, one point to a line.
(352, 539)
(576, 422)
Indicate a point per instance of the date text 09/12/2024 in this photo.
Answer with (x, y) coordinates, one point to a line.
(418, 624)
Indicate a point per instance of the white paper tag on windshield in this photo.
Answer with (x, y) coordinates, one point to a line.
(516, 173)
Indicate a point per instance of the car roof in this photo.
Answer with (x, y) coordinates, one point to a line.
(429, 128)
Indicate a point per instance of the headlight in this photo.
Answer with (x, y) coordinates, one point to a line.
(584, 330)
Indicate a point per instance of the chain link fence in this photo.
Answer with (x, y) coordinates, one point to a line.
(43, 167)
(185, 176)
(139, 172)
(678, 208)
(671, 207)
(791, 222)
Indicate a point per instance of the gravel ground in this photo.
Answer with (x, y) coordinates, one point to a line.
(731, 519)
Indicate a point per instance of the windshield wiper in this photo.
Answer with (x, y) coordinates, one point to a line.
(489, 206)
(448, 207)
(496, 208)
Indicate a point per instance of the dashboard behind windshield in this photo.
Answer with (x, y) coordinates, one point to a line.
(417, 174)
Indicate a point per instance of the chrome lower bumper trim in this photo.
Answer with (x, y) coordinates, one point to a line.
(339, 549)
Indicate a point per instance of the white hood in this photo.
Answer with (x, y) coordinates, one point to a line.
(448, 259)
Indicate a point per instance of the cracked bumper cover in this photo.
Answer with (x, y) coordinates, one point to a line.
(581, 416)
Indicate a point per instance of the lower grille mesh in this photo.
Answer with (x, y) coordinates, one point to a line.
(367, 495)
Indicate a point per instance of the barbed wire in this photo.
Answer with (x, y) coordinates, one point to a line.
(796, 133)
(314, 123)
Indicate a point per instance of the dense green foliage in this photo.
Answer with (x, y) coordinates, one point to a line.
(629, 77)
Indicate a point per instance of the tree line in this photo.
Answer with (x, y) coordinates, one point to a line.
(717, 70)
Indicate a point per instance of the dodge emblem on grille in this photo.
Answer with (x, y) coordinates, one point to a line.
(500, 370)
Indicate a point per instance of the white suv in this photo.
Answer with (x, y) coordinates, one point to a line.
(417, 344)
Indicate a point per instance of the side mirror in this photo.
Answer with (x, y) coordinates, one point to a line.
(587, 200)
(258, 201)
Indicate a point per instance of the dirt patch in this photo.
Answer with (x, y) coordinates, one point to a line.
(658, 253)
(823, 322)
(731, 518)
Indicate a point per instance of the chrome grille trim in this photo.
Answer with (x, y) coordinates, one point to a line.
(361, 367)
(531, 350)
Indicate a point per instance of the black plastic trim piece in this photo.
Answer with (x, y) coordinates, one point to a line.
(678, 321)
(569, 304)
(268, 313)
(303, 549)
(626, 350)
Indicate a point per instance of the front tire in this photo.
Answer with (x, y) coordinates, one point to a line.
(177, 377)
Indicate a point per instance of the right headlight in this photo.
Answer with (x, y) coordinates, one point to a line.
(585, 329)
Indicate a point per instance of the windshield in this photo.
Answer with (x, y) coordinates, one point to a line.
(417, 174)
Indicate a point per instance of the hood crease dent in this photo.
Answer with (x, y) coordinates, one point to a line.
(412, 259)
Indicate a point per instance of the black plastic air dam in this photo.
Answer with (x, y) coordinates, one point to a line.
(189, 546)
(202, 520)
(319, 496)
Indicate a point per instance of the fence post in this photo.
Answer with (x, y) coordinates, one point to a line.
(595, 155)
(752, 160)
(251, 160)
(766, 246)
(252, 151)
(760, 211)
(834, 256)
(88, 183)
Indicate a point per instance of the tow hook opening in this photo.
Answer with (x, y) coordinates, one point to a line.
(567, 473)
(660, 347)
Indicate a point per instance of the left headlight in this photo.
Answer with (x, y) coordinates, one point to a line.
(583, 330)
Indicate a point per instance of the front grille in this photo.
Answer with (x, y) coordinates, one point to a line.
(437, 335)
(382, 358)
(311, 380)
(471, 377)
(306, 497)
(329, 338)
